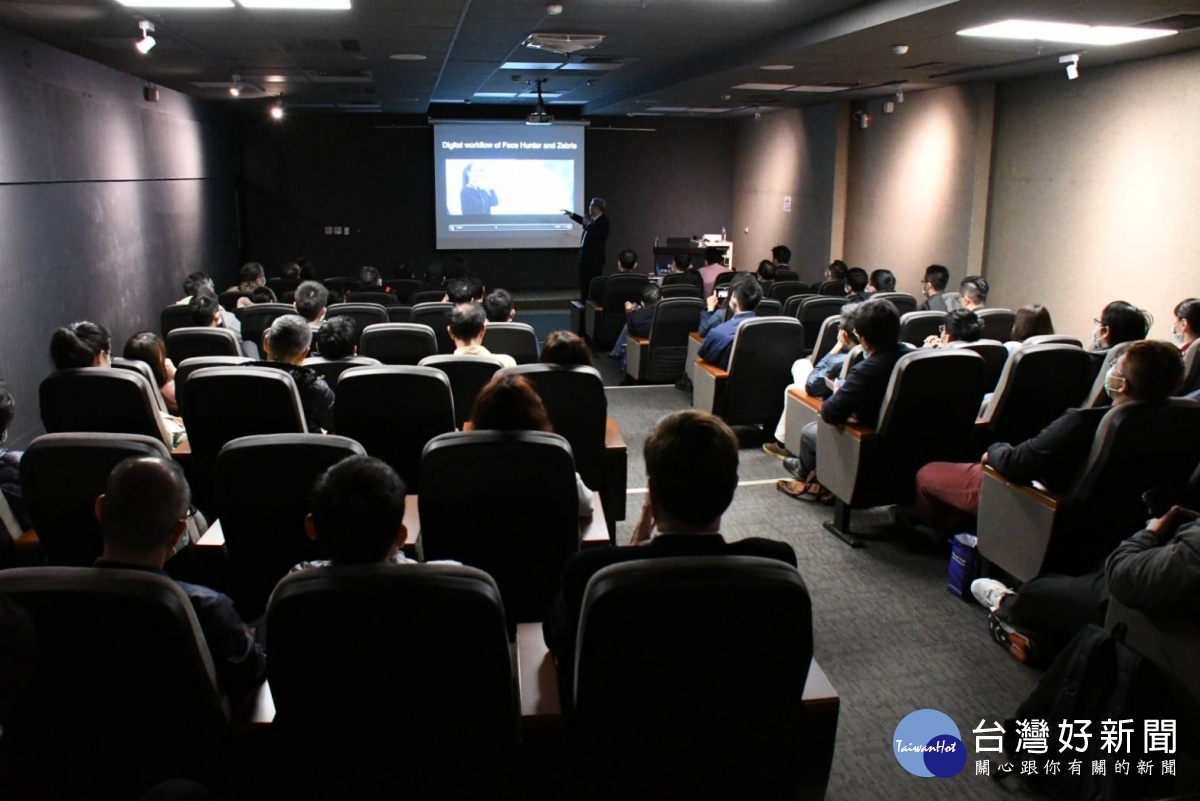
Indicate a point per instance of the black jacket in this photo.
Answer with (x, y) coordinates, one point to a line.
(861, 394)
(640, 320)
(1055, 455)
(595, 236)
(1145, 575)
(316, 397)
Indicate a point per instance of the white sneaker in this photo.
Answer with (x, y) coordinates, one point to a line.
(989, 592)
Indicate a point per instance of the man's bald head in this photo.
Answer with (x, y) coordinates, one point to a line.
(145, 500)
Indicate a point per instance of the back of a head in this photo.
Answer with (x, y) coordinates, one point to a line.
(369, 277)
(8, 410)
(78, 345)
(937, 276)
(1125, 322)
(458, 291)
(498, 306)
(975, 289)
(1031, 321)
(290, 270)
(288, 338)
(747, 291)
(467, 321)
(877, 324)
(567, 349)
(651, 294)
(262, 294)
(627, 259)
(145, 497)
(847, 320)
(148, 347)
(883, 281)
(205, 308)
(1189, 311)
(357, 507)
(435, 273)
(311, 299)
(692, 466)
(782, 254)
(963, 325)
(837, 270)
(766, 270)
(194, 282)
(683, 261)
(1153, 370)
(856, 279)
(713, 255)
(337, 337)
(509, 403)
(308, 270)
(251, 273)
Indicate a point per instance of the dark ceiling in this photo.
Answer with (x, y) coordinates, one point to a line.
(674, 57)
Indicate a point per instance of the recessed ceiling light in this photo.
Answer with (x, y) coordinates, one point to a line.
(530, 65)
(667, 109)
(495, 94)
(817, 89)
(707, 110)
(407, 57)
(176, 3)
(297, 5)
(534, 94)
(1066, 32)
(275, 78)
(776, 67)
(763, 87)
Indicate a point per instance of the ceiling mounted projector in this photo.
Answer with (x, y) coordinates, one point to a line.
(539, 115)
(563, 43)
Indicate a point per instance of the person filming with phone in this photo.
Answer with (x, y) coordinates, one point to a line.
(743, 294)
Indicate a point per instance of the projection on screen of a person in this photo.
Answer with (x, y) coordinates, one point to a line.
(476, 197)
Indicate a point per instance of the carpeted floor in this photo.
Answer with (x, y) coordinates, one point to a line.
(888, 635)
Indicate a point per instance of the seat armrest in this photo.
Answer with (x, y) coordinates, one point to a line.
(708, 388)
(808, 400)
(613, 439)
(640, 341)
(537, 677)
(615, 476)
(712, 369)
(1016, 523)
(695, 335)
(1050, 500)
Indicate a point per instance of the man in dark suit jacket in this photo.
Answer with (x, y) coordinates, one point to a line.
(591, 246)
(691, 468)
(744, 296)
(933, 286)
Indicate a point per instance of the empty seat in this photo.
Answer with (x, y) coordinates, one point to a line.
(782, 290)
(142, 369)
(768, 308)
(339, 286)
(188, 366)
(468, 375)
(281, 285)
(175, 316)
(373, 296)
(512, 339)
(644, 628)
(661, 356)
(437, 317)
(1039, 383)
(262, 489)
(680, 290)
(399, 314)
(428, 296)
(917, 326)
(521, 487)
(393, 412)
(812, 312)
(257, 318)
(186, 343)
(398, 343)
(363, 314)
(760, 369)
(122, 668)
(404, 660)
(791, 306)
(997, 323)
(995, 356)
(903, 301)
(101, 399)
(229, 299)
(1052, 339)
(331, 369)
(61, 477)
(606, 316)
(836, 288)
(404, 288)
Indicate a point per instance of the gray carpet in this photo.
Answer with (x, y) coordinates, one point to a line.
(888, 635)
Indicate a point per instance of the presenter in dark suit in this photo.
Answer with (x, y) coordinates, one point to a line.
(591, 246)
(474, 198)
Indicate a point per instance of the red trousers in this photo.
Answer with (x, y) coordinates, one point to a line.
(953, 484)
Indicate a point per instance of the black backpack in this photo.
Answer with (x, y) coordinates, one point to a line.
(1097, 677)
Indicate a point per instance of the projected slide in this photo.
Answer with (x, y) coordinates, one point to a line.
(505, 184)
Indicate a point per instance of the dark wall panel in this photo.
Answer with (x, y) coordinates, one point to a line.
(107, 202)
(375, 174)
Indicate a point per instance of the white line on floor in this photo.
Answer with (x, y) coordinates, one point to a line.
(758, 482)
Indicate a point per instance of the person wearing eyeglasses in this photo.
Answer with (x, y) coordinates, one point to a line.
(933, 287)
(962, 327)
(144, 514)
(1186, 327)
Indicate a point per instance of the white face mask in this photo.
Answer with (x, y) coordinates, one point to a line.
(1178, 337)
(1109, 389)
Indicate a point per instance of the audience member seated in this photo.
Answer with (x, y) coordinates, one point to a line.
(714, 265)
(356, 514)
(311, 299)
(1187, 323)
(263, 294)
(285, 344)
(856, 284)
(692, 474)
(744, 295)
(566, 349)
(836, 271)
(10, 478)
(781, 257)
(149, 347)
(947, 494)
(81, 344)
(683, 266)
(1030, 321)
(933, 287)
(208, 313)
(194, 284)
(457, 291)
(435, 274)
(766, 271)
(290, 271)
(468, 322)
(960, 328)
(1119, 322)
(1157, 571)
(881, 281)
(498, 306)
(370, 279)
(144, 513)
(337, 338)
(250, 277)
(308, 270)
(638, 318)
(817, 381)
(858, 399)
(972, 294)
(510, 403)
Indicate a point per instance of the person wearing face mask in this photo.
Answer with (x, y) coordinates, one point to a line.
(1186, 327)
(144, 514)
(1119, 322)
(947, 494)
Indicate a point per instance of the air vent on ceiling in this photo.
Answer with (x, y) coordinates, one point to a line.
(1179, 22)
(340, 76)
(601, 60)
(321, 45)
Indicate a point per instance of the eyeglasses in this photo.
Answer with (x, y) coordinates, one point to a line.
(191, 512)
(1097, 322)
(941, 329)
